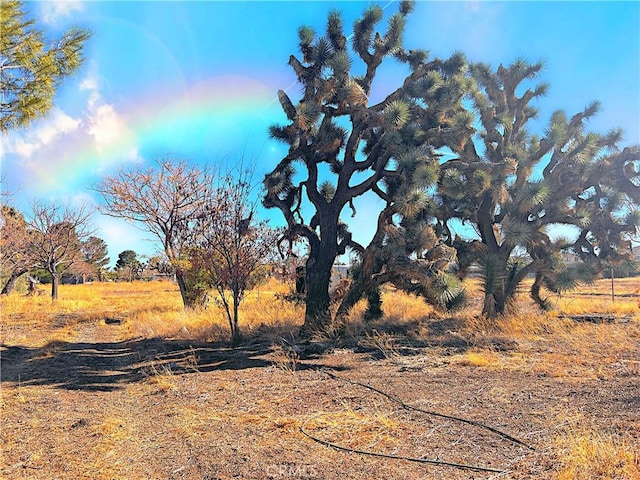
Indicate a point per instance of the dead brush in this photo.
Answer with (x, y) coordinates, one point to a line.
(162, 373)
(483, 358)
(385, 343)
(285, 357)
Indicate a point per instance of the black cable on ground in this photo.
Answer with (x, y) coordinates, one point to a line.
(442, 463)
(462, 466)
(428, 412)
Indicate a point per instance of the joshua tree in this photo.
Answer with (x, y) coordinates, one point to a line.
(348, 146)
(513, 188)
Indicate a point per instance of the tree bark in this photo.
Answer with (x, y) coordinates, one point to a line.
(236, 336)
(353, 296)
(495, 302)
(10, 286)
(318, 276)
(55, 280)
(495, 286)
(374, 307)
(190, 298)
(535, 292)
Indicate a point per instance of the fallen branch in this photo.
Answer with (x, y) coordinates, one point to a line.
(597, 318)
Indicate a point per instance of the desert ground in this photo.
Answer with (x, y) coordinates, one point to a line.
(117, 381)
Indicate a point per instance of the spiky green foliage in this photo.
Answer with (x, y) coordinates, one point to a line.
(396, 114)
(521, 185)
(412, 258)
(327, 190)
(306, 115)
(386, 149)
(31, 70)
(445, 291)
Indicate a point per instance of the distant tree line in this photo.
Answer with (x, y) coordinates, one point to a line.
(55, 240)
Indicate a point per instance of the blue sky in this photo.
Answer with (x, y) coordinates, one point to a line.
(199, 79)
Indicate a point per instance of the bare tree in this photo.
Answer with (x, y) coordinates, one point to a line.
(15, 260)
(56, 235)
(232, 245)
(164, 200)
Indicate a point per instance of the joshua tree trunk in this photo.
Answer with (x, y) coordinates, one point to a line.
(358, 290)
(354, 294)
(495, 265)
(318, 276)
(535, 292)
(501, 280)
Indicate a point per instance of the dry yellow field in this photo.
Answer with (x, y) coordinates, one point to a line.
(116, 380)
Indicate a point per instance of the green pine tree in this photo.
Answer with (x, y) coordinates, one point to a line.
(30, 69)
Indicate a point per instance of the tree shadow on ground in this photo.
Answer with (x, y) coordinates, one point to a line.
(398, 337)
(110, 366)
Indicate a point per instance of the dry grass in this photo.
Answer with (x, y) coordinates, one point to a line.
(285, 358)
(374, 431)
(596, 298)
(587, 452)
(146, 310)
(177, 403)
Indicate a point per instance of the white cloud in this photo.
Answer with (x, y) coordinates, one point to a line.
(92, 85)
(45, 132)
(105, 124)
(23, 148)
(60, 124)
(58, 151)
(133, 155)
(82, 199)
(89, 83)
(54, 10)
